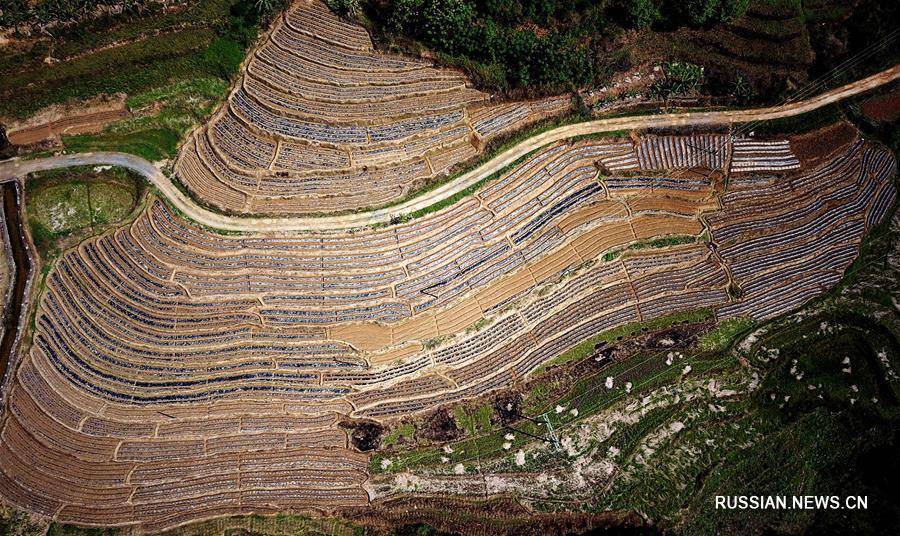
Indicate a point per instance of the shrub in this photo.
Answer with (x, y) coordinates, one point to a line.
(349, 9)
(642, 13)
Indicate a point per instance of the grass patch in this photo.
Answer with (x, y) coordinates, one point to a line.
(71, 204)
(163, 117)
(403, 432)
(584, 349)
(725, 334)
(664, 242)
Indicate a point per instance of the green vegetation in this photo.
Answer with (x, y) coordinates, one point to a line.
(545, 44)
(800, 123)
(61, 529)
(727, 332)
(17, 523)
(681, 78)
(808, 404)
(162, 118)
(41, 13)
(205, 40)
(656, 243)
(586, 347)
(398, 434)
(71, 204)
(825, 422)
(348, 9)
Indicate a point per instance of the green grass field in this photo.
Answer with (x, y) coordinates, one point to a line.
(67, 205)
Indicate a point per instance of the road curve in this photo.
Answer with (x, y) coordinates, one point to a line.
(11, 169)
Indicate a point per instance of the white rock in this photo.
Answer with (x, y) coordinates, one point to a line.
(385, 463)
(609, 382)
(459, 469)
(520, 458)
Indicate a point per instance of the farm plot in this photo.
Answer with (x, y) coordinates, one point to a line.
(178, 374)
(321, 122)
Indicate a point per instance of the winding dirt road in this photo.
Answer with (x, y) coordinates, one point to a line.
(11, 169)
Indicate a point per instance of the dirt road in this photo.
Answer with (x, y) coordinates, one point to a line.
(16, 168)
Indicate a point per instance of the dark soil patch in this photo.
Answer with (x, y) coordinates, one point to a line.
(675, 337)
(7, 150)
(820, 145)
(508, 407)
(884, 108)
(440, 426)
(364, 435)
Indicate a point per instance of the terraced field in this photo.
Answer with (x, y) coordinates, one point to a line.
(322, 122)
(178, 374)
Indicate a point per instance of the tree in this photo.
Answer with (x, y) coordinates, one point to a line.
(700, 12)
(268, 8)
(642, 13)
(347, 9)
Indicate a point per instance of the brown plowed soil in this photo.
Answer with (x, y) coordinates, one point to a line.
(80, 118)
(814, 148)
(883, 107)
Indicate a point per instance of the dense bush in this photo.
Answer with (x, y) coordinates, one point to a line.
(506, 40)
(547, 44)
(700, 12)
(345, 8)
